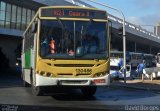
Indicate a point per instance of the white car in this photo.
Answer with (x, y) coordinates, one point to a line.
(114, 72)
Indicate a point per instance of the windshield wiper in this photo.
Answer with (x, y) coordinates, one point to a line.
(85, 29)
(60, 22)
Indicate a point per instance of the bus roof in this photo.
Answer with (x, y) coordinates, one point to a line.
(72, 12)
(74, 7)
(60, 7)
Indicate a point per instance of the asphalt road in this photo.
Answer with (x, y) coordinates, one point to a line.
(14, 96)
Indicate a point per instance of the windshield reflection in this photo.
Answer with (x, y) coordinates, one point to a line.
(73, 39)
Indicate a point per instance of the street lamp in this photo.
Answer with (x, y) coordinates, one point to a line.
(124, 33)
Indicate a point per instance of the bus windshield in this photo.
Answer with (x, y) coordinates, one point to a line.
(73, 39)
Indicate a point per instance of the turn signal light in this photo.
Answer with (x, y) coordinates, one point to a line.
(99, 81)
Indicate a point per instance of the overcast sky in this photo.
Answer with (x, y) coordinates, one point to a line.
(139, 12)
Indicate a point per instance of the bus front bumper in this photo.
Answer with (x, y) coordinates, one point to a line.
(50, 81)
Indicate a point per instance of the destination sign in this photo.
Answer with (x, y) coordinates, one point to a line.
(73, 13)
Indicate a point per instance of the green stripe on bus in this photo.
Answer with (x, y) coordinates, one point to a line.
(28, 59)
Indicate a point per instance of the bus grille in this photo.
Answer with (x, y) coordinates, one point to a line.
(72, 75)
(74, 65)
(68, 82)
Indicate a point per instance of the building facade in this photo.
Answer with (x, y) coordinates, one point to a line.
(15, 15)
(157, 29)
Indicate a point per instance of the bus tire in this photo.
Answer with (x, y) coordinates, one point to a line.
(37, 90)
(26, 84)
(89, 90)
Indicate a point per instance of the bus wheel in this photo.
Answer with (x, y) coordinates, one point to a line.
(37, 90)
(26, 84)
(89, 90)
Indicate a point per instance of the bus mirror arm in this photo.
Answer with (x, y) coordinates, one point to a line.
(34, 27)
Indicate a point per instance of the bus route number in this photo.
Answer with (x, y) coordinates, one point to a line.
(58, 12)
(83, 71)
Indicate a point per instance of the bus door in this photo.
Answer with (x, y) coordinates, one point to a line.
(33, 42)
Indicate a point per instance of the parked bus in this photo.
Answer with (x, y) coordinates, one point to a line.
(135, 59)
(67, 46)
(149, 60)
(116, 54)
(158, 60)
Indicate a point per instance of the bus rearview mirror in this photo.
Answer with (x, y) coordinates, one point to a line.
(34, 27)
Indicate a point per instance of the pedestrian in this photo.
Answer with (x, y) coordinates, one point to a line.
(140, 68)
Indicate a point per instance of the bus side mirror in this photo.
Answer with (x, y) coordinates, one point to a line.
(110, 28)
(110, 32)
(34, 27)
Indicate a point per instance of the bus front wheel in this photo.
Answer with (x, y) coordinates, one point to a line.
(25, 84)
(37, 90)
(89, 90)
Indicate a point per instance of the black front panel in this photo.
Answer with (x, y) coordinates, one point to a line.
(73, 13)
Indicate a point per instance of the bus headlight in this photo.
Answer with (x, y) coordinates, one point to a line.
(100, 74)
(47, 74)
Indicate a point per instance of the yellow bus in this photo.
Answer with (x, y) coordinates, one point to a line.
(66, 46)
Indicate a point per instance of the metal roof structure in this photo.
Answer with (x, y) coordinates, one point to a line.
(117, 22)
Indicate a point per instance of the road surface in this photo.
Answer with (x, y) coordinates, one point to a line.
(14, 95)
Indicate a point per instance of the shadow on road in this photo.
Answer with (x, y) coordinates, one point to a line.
(10, 79)
(139, 85)
(113, 94)
(66, 94)
(73, 95)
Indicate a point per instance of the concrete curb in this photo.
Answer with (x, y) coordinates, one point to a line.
(134, 87)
